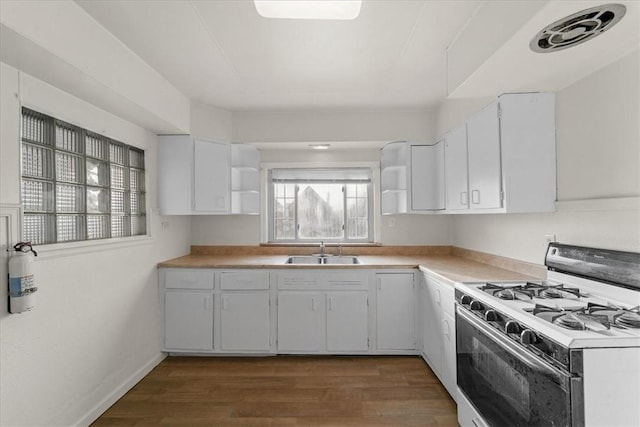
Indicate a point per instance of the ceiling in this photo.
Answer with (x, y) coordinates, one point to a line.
(147, 60)
(223, 53)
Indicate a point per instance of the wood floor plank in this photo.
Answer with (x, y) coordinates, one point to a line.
(286, 391)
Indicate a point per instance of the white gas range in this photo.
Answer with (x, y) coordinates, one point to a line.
(564, 351)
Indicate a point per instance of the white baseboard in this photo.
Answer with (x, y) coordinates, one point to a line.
(120, 391)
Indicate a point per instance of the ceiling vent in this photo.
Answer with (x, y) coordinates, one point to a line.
(577, 28)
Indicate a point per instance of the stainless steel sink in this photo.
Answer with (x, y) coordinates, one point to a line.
(314, 259)
(303, 259)
(342, 260)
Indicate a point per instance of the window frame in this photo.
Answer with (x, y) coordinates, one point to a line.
(133, 162)
(297, 240)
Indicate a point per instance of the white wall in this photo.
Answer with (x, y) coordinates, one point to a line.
(95, 329)
(312, 126)
(598, 147)
(60, 43)
(211, 123)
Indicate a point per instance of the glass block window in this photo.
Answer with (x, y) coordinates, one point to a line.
(78, 185)
(312, 205)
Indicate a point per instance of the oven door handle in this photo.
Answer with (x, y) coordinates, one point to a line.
(531, 360)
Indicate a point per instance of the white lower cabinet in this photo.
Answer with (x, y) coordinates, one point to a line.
(347, 319)
(300, 321)
(323, 311)
(430, 325)
(449, 377)
(395, 321)
(188, 320)
(288, 311)
(438, 338)
(188, 301)
(245, 321)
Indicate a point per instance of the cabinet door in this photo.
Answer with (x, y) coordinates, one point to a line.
(188, 321)
(483, 135)
(175, 174)
(245, 321)
(455, 157)
(300, 321)
(448, 376)
(395, 311)
(211, 177)
(432, 338)
(347, 320)
(427, 176)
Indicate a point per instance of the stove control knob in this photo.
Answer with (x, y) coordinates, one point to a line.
(475, 305)
(491, 316)
(528, 337)
(465, 300)
(512, 327)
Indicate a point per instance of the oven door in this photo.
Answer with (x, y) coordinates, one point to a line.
(507, 384)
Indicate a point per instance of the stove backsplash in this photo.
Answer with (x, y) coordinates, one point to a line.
(613, 267)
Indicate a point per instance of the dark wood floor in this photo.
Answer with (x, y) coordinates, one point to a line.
(286, 391)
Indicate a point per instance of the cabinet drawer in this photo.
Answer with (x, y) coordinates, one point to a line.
(299, 279)
(346, 280)
(188, 279)
(244, 280)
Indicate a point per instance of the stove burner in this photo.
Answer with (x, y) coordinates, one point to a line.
(568, 321)
(628, 319)
(582, 322)
(509, 291)
(550, 293)
(529, 290)
(616, 315)
(512, 294)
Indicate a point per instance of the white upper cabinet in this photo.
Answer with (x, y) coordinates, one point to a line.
(427, 177)
(455, 167)
(510, 162)
(211, 177)
(197, 177)
(483, 136)
(412, 177)
(175, 174)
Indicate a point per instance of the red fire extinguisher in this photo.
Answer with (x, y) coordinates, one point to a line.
(22, 283)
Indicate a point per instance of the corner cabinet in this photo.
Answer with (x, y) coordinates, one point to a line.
(198, 177)
(503, 159)
(412, 177)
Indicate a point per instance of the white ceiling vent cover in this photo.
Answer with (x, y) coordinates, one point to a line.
(577, 28)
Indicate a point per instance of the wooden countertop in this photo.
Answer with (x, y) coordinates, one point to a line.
(450, 267)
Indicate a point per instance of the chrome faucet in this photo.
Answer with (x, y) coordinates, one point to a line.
(321, 248)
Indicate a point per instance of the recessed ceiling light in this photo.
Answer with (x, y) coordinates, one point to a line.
(309, 9)
(320, 146)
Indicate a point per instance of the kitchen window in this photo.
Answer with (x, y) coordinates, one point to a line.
(78, 185)
(311, 205)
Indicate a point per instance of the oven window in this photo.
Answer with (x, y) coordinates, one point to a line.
(506, 388)
(494, 370)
